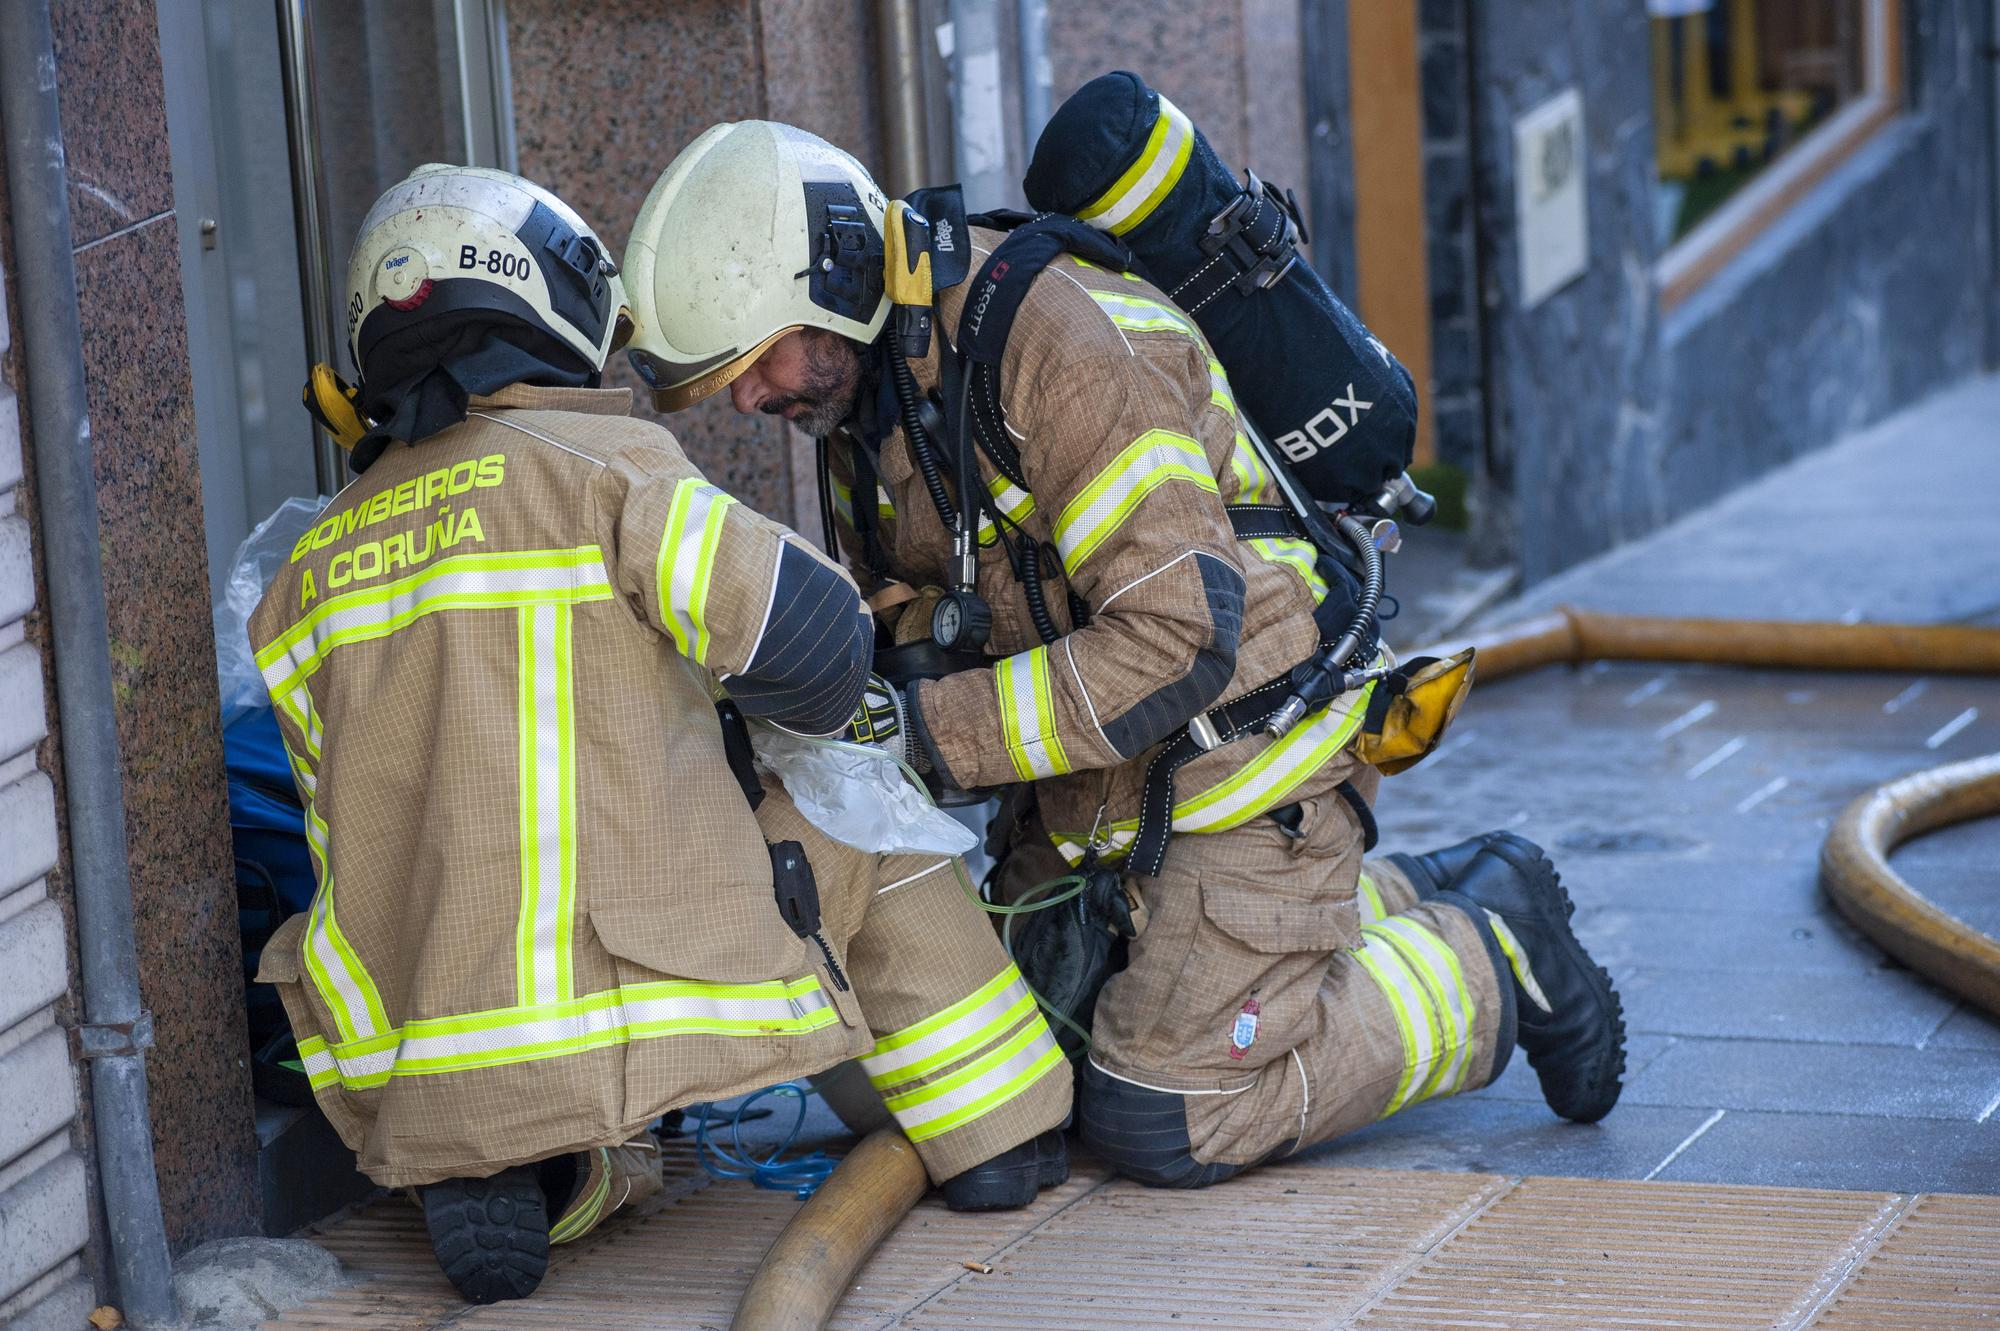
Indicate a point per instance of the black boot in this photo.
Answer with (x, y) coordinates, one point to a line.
(1010, 1180)
(1573, 1030)
(490, 1235)
(1433, 871)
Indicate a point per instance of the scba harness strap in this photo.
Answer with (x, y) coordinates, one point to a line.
(973, 409)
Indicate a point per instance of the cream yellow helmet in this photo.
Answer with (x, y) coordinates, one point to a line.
(463, 240)
(757, 229)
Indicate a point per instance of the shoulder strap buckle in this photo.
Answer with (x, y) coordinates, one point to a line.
(1261, 233)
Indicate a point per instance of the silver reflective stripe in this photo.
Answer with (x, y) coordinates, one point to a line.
(458, 582)
(1445, 978)
(548, 779)
(581, 1026)
(1163, 158)
(928, 1112)
(970, 1026)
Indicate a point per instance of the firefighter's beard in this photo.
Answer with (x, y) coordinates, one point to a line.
(831, 382)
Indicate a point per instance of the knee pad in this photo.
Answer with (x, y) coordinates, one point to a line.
(1140, 1132)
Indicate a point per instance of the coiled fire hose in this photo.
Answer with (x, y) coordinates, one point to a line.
(815, 1259)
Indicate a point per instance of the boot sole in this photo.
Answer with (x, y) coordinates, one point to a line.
(490, 1235)
(1605, 1082)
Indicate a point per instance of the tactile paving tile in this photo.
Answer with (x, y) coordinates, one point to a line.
(1289, 1247)
(1937, 1266)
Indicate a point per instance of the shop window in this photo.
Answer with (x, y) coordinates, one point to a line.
(1753, 102)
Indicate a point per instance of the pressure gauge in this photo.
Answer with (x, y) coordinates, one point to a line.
(962, 621)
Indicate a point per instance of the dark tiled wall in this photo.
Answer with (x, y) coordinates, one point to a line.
(1868, 296)
(1609, 421)
(1454, 287)
(156, 587)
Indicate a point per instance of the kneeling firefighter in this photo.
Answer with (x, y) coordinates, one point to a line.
(513, 663)
(1128, 619)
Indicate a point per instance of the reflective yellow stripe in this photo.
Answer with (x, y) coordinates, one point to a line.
(461, 582)
(1296, 555)
(1407, 1004)
(342, 982)
(1014, 502)
(318, 1062)
(1260, 784)
(843, 502)
(582, 1217)
(979, 1087)
(1218, 387)
(946, 1018)
(1082, 262)
(1371, 901)
(963, 1029)
(1145, 464)
(1137, 314)
(1430, 1006)
(1135, 194)
(1253, 482)
(1517, 959)
(1028, 715)
(556, 1030)
(687, 560)
(1433, 961)
(547, 807)
(1010, 1017)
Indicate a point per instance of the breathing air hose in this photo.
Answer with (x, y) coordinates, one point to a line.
(907, 399)
(1320, 679)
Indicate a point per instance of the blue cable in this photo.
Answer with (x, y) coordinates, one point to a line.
(800, 1177)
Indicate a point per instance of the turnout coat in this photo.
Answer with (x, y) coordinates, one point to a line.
(545, 910)
(1131, 446)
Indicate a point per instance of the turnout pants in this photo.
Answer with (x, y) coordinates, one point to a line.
(960, 1053)
(1280, 993)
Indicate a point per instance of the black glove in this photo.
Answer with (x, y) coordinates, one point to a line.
(879, 720)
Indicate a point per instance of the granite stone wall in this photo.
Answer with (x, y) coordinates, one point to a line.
(1610, 419)
(156, 586)
(604, 96)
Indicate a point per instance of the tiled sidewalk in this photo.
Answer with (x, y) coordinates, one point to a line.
(1770, 1044)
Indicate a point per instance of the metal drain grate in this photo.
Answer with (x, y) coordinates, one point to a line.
(1290, 1247)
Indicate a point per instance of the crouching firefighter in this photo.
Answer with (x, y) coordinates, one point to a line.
(1113, 639)
(516, 664)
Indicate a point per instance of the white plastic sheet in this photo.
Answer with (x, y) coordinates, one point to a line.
(257, 561)
(859, 795)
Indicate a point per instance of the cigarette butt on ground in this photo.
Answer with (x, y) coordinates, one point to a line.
(980, 1268)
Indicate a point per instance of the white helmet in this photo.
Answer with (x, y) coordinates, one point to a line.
(755, 230)
(452, 239)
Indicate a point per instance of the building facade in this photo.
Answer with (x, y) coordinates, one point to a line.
(1589, 372)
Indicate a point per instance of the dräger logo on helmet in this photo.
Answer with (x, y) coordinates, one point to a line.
(944, 236)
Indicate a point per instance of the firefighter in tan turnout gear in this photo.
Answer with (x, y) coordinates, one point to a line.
(512, 662)
(1279, 991)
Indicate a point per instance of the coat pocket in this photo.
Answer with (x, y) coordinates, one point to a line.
(1283, 917)
(730, 933)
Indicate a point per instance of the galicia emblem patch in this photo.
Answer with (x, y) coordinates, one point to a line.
(1244, 1033)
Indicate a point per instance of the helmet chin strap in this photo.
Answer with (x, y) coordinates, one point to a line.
(433, 372)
